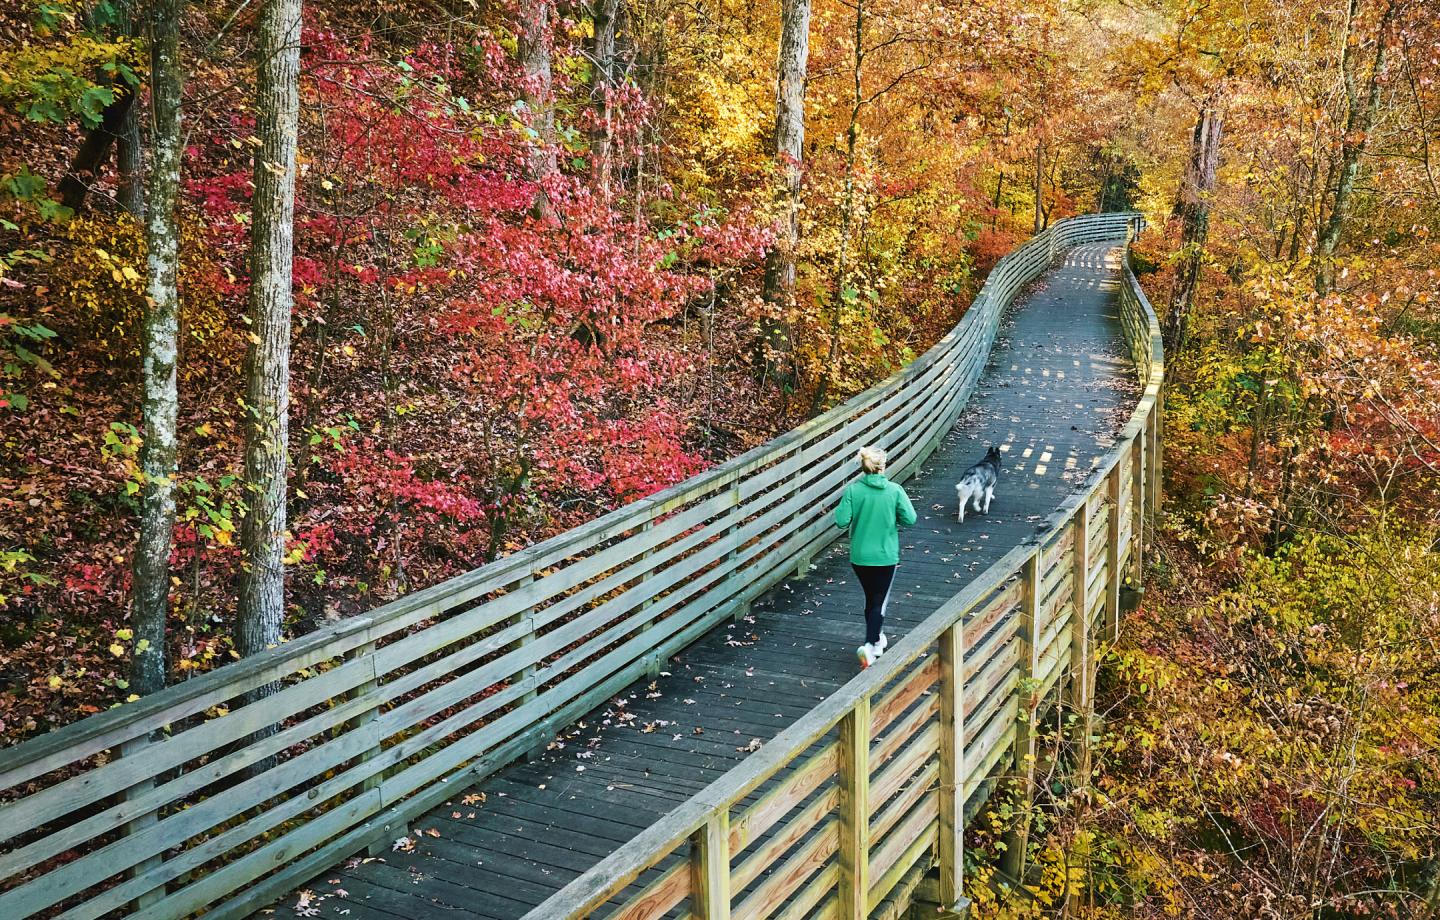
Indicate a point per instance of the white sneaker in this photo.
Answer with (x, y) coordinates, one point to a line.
(883, 644)
(867, 655)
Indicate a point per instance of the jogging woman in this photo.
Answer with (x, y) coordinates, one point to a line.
(872, 509)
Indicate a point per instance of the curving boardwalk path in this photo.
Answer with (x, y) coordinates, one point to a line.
(1057, 389)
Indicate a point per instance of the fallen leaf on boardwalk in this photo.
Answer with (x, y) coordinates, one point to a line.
(341, 893)
(402, 843)
(698, 730)
(433, 832)
(752, 747)
(676, 738)
(648, 728)
(454, 814)
(475, 798)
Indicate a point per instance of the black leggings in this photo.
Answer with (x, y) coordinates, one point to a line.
(875, 579)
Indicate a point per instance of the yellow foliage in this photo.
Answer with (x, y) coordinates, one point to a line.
(103, 277)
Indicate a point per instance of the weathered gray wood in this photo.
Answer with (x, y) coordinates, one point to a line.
(710, 865)
(854, 847)
(671, 558)
(952, 763)
(1012, 861)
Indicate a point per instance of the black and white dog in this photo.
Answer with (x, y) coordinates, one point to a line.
(979, 483)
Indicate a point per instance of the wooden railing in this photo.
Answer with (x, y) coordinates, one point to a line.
(180, 802)
(879, 779)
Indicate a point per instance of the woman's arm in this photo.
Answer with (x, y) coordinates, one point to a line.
(844, 511)
(904, 511)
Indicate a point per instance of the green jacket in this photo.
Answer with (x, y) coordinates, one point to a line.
(871, 509)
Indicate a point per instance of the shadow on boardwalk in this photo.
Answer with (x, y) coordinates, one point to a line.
(1054, 394)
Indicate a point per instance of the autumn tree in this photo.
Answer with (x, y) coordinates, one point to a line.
(604, 60)
(159, 351)
(1192, 207)
(789, 148)
(1362, 108)
(267, 389)
(535, 51)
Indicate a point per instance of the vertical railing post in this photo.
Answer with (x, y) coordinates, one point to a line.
(527, 673)
(732, 558)
(139, 823)
(653, 669)
(952, 767)
(1081, 652)
(1017, 839)
(710, 868)
(1112, 552)
(854, 886)
(1137, 507)
(371, 782)
(1155, 420)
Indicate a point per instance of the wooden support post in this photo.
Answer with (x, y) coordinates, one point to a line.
(1017, 839)
(1138, 498)
(1112, 553)
(362, 652)
(528, 671)
(140, 822)
(737, 580)
(854, 884)
(653, 671)
(710, 868)
(1156, 420)
(1082, 673)
(952, 766)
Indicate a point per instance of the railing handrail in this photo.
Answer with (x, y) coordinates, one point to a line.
(603, 880)
(706, 531)
(253, 671)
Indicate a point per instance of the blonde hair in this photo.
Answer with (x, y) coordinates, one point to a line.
(872, 459)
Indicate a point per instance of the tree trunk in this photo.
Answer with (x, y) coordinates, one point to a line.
(841, 273)
(159, 353)
(1039, 186)
(602, 56)
(534, 50)
(267, 387)
(119, 126)
(130, 158)
(1192, 206)
(999, 190)
(1359, 121)
(129, 144)
(792, 64)
(94, 150)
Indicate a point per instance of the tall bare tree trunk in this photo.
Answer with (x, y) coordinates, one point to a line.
(1359, 122)
(602, 56)
(267, 386)
(538, 96)
(793, 62)
(119, 127)
(1192, 206)
(841, 273)
(1039, 186)
(159, 354)
(129, 142)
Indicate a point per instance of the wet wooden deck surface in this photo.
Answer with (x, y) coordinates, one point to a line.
(1054, 394)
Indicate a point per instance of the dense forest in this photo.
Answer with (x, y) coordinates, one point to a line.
(305, 307)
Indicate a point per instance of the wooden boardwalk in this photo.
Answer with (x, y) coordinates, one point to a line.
(1055, 392)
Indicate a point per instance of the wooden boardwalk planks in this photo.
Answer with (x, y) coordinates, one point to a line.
(1057, 388)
